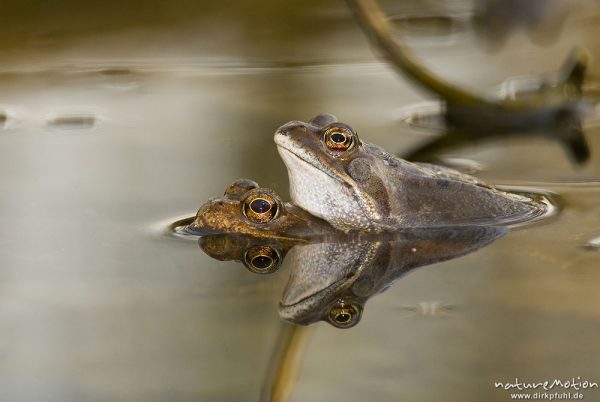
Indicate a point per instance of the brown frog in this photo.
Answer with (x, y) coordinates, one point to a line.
(355, 185)
(248, 209)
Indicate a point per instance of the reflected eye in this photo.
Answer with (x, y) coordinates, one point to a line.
(261, 208)
(344, 315)
(339, 139)
(262, 259)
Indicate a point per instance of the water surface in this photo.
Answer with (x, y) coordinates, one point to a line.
(108, 135)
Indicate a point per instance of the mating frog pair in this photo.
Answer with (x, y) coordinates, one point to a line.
(347, 185)
(332, 274)
(361, 218)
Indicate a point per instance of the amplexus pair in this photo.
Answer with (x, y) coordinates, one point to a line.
(340, 184)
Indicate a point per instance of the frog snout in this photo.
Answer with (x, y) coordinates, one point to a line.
(289, 127)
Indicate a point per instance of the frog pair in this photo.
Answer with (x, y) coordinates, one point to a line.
(347, 185)
(361, 218)
(332, 273)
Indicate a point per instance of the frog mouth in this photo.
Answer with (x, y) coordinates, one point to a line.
(288, 147)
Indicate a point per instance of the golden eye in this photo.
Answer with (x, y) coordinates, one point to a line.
(339, 139)
(262, 259)
(261, 208)
(343, 315)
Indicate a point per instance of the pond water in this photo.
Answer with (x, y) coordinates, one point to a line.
(111, 129)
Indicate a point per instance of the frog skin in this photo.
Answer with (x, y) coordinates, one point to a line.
(355, 185)
(332, 281)
(234, 213)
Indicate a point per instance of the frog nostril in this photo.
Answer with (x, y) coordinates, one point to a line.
(290, 126)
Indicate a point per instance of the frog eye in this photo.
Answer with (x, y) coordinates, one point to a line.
(261, 207)
(262, 260)
(344, 315)
(339, 138)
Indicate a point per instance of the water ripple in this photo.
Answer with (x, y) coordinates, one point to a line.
(593, 244)
(72, 122)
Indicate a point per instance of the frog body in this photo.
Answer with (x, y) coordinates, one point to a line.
(355, 185)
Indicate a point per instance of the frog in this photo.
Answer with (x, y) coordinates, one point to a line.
(332, 281)
(248, 209)
(358, 186)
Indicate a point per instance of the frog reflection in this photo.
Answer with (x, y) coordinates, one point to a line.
(259, 255)
(248, 209)
(332, 280)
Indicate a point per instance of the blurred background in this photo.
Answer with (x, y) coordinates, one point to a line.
(117, 119)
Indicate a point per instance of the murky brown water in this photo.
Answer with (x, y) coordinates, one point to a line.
(111, 129)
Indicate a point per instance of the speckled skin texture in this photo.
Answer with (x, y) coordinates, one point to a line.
(324, 273)
(225, 215)
(368, 189)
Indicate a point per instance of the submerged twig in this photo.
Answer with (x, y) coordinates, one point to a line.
(555, 108)
(378, 29)
(285, 362)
